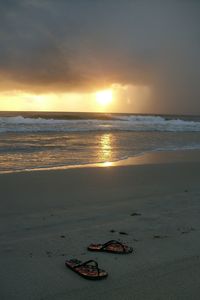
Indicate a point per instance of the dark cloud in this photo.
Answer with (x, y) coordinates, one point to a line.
(72, 45)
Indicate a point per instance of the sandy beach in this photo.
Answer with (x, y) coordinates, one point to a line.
(49, 216)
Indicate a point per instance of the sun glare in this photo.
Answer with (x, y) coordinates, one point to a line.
(104, 97)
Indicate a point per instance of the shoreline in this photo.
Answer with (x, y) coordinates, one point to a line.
(151, 157)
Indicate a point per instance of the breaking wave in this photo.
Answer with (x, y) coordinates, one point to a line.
(115, 123)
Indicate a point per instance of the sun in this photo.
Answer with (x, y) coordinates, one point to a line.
(104, 97)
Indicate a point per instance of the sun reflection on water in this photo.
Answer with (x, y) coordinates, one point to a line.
(107, 164)
(105, 149)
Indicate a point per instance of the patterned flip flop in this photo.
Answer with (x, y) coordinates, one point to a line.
(88, 269)
(112, 246)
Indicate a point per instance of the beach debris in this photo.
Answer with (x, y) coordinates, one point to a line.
(135, 214)
(123, 232)
(157, 236)
(112, 230)
(62, 236)
(186, 191)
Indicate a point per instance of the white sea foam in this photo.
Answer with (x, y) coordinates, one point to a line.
(120, 123)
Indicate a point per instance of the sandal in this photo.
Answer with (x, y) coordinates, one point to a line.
(88, 269)
(112, 246)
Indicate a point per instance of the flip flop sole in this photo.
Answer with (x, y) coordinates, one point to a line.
(110, 248)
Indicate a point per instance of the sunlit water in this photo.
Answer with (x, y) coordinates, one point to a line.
(36, 143)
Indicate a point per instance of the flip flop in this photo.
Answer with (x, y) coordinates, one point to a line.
(112, 246)
(88, 269)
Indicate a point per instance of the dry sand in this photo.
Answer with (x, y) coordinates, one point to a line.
(46, 217)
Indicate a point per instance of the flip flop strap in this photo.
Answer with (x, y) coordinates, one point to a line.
(87, 263)
(113, 242)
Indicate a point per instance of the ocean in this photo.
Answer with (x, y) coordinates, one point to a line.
(37, 140)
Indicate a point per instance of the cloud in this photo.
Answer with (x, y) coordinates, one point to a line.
(77, 45)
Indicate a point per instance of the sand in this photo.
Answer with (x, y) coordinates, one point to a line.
(47, 217)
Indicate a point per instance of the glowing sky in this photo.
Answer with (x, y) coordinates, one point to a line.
(56, 55)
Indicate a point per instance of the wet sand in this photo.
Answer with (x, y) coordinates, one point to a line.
(47, 217)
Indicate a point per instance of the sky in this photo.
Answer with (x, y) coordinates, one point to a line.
(57, 54)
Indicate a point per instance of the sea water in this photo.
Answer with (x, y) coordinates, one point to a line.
(30, 141)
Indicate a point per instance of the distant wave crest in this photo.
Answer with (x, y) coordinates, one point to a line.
(119, 123)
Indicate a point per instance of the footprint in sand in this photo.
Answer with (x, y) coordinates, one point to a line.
(135, 214)
(49, 253)
(186, 230)
(157, 236)
(122, 232)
